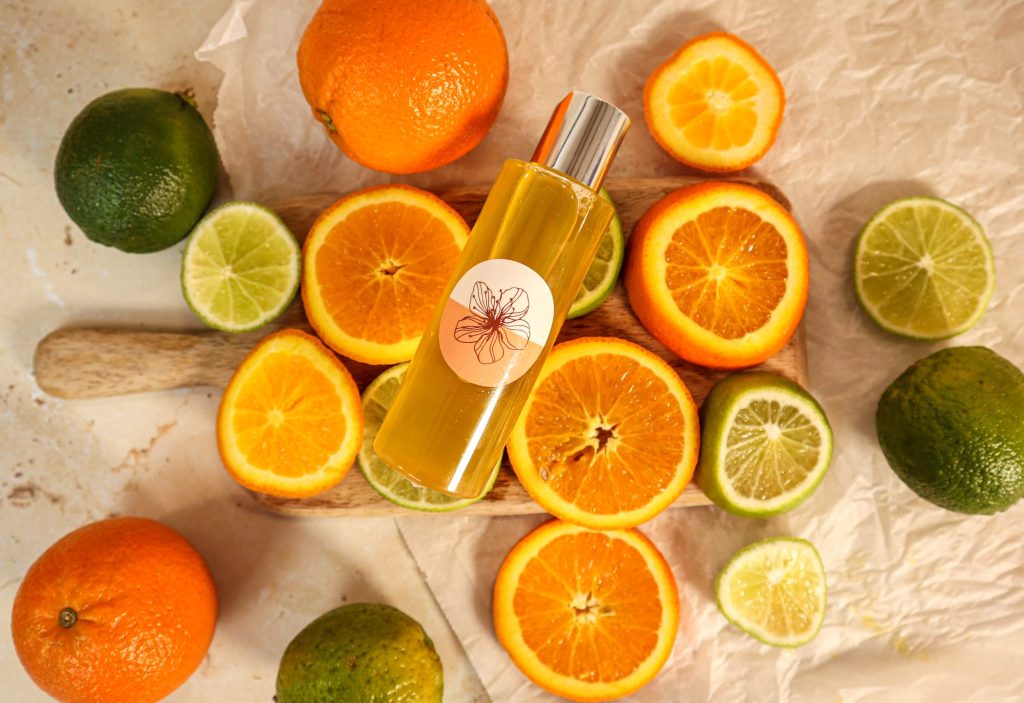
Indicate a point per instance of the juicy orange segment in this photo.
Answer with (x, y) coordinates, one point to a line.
(716, 104)
(590, 616)
(290, 422)
(609, 436)
(374, 266)
(718, 273)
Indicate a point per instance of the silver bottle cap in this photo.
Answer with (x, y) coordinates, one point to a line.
(582, 137)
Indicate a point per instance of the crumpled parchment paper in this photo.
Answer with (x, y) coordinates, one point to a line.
(884, 99)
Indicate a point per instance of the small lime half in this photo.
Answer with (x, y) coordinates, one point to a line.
(765, 444)
(391, 484)
(240, 267)
(604, 270)
(924, 269)
(774, 590)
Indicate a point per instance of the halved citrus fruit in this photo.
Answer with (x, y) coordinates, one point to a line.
(718, 272)
(374, 266)
(609, 436)
(715, 104)
(290, 422)
(589, 616)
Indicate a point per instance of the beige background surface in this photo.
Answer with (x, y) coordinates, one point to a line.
(885, 99)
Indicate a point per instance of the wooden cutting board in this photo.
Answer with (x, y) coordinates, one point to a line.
(90, 362)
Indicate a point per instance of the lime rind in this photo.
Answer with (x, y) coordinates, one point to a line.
(894, 313)
(390, 484)
(610, 254)
(744, 560)
(262, 289)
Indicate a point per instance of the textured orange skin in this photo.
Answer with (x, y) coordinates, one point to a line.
(146, 610)
(647, 310)
(407, 85)
(663, 143)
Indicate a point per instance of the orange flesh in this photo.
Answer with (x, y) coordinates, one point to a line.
(714, 104)
(726, 270)
(605, 432)
(588, 606)
(381, 270)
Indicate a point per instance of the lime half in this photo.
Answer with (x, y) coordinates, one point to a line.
(765, 444)
(923, 269)
(391, 484)
(774, 590)
(604, 270)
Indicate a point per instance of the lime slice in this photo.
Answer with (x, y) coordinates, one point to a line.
(765, 445)
(923, 269)
(391, 484)
(774, 590)
(600, 280)
(240, 268)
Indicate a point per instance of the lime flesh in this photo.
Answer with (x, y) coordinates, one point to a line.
(775, 591)
(604, 270)
(240, 268)
(923, 269)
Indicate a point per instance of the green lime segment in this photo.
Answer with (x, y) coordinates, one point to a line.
(765, 444)
(240, 268)
(391, 484)
(775, 591)
(604, 270)
(923, 269)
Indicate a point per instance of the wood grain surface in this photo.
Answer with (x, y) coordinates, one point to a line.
(86, 362)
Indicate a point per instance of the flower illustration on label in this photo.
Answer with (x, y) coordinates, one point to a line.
(496, 322)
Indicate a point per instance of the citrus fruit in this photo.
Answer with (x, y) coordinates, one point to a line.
(361, 653)
(765, 444)
(391, 484)
(603, 273)
(715, 104)
(589, 616)
(609, 436)
(120, 610)
(923, 269)
(240, 268)
(952, 428)
(718, 272)
(401, 85)
(375, 264)
(290, 422)
(774, 590)
(136, 169)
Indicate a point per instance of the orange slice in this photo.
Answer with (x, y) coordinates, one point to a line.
(374, 266)
(589, 616)
(718, 273)
(716, 104)
(290, 422)
(609, 436)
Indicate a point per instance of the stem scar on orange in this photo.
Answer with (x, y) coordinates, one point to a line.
(120, 610)
(589, 616)
(718, 273)
(291, 421)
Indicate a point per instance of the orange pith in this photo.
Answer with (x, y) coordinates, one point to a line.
(609, 436)
(375, 265)
(718, 273)
(589, 616)
(290, 422)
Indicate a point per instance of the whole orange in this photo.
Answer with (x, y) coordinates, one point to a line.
(404, 86)
(119, 610)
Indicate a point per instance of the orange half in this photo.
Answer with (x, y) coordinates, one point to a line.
(609, 437)
(290, 422)
(374, 267)
(589, 616)
(716, 104)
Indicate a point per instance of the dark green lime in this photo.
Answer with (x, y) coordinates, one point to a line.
(136, 169)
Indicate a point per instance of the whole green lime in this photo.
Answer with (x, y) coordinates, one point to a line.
(952, 427)
(136, 169)
(361, 653)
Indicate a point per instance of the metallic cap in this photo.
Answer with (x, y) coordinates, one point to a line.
(582, 137)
